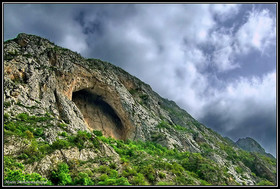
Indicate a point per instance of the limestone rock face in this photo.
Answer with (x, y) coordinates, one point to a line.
(87, 94)
(77, 94)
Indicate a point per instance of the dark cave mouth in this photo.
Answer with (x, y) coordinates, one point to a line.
(98, 114)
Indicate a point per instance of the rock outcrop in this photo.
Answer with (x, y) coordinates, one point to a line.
(57, 93)
(251, 145)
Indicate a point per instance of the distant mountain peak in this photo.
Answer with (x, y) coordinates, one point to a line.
(251, 145)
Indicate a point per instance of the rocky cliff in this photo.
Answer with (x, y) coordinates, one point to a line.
(92, 120)
(251, 145)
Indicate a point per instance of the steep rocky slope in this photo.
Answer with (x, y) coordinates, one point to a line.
(251, 145)
(57, 106)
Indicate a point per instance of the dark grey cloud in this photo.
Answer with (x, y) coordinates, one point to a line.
(216, 61)
(259, 123)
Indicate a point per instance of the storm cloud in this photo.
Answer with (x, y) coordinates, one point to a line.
(217, 61)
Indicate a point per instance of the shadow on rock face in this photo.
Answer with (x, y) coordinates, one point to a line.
(98, 114)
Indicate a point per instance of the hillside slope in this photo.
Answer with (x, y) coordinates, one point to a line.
(75, 121)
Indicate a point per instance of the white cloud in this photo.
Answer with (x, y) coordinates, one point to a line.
(224, 59)
(73, 42)
(258, 32)
(242, 98)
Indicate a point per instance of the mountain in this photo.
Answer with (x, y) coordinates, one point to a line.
(251, 145)
(75, 121)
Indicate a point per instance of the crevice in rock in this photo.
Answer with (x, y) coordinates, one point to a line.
(98, 114)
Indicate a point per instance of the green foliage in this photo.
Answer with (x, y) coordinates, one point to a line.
(104, 169)
(80, 139)
(97, 133)
(206, 148)
(157, 136)
(64, 134)
(25, 126)
(61, 176)
(62, 125)
(115, 182)
(7, 104)
(60, 144)
(180, 128)
(239, 169)
(248, 159)
(6, 116)
(144, 97)
(39, 132)
(265, 183)
(161, 175)
(133, 91)
(166, 125)
(83, 179)
(138, 180)
(149, 172)
(29, 134)
(162, 183)
(18, 177)
(143, 163)
(128, 172)
(11, 163)
(163, 124)
(27, 55)
(14, 174)
(232, 155)
(23, 116)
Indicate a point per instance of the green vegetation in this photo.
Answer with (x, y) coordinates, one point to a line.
(265, 183)
(133, 91)
(164, 124)
(143, 163)
(10, 55)
(26, 126)
(14, 174)
(97, 133)
(61, 176)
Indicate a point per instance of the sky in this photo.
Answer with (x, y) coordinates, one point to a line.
(216, 61)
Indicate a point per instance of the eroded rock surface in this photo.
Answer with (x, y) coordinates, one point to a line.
(88, 94)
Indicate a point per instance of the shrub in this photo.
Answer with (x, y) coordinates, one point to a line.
(104, 169)
(161, 175)
(6, 116)
(138, 179)
(60, 144)
(113, 173)
(83, 179)
(64, 134)
(113, 165)
(97, 133)
(62, 125)
(265, 183)
(14, 174)
(161, 183)
(61, 176)
(129, 172)
(7, 104)
(39, 132)
(149, 172)
(238, 169)
(80, 139)
(103, 177)
(114, 181)
(18, 177)
(29, 134)
(23, 116)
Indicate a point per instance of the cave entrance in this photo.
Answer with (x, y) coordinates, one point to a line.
(98, 114)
